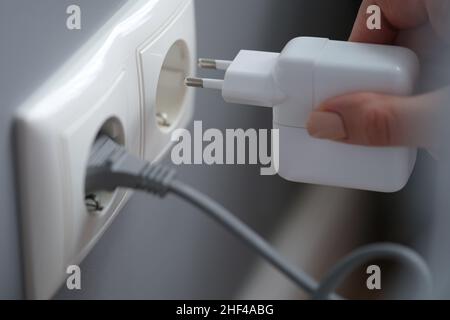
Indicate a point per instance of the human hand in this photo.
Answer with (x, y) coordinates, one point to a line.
(382, 120)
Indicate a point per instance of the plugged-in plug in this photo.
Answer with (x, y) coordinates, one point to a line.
(111, 166)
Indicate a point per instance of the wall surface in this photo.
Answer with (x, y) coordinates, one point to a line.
(157, 249)
(34, 43)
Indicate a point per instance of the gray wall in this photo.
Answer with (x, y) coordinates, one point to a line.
(155, 248)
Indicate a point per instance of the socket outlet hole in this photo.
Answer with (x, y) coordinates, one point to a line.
(99, 202)
(171, 90)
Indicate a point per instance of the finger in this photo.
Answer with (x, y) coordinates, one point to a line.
(396, 15)
(379, 120)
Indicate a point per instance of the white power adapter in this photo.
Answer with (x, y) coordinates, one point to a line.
(306, 73)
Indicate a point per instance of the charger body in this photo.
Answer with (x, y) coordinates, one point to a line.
(306, 73)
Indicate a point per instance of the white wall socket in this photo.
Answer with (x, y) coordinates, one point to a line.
(127, 80)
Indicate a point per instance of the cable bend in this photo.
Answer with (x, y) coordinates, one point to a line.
(342, 269)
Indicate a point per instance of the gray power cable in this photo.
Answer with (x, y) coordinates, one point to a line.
(238, 228)
(111, 166)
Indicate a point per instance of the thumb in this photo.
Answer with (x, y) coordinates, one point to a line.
(378, 120)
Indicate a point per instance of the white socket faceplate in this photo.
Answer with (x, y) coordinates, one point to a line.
(114, 76)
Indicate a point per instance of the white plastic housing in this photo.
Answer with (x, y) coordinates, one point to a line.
(111, 83)
(338, 68)
(306, 73)
(308, 160)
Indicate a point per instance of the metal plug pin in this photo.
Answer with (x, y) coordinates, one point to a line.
(163, 119)
(215, 84)
(92, 203)
(214, 64)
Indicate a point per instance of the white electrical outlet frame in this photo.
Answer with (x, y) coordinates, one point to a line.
(113, 77)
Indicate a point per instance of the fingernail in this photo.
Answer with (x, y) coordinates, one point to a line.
(326, 125)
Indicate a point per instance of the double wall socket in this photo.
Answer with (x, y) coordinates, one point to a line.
(126, 81)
